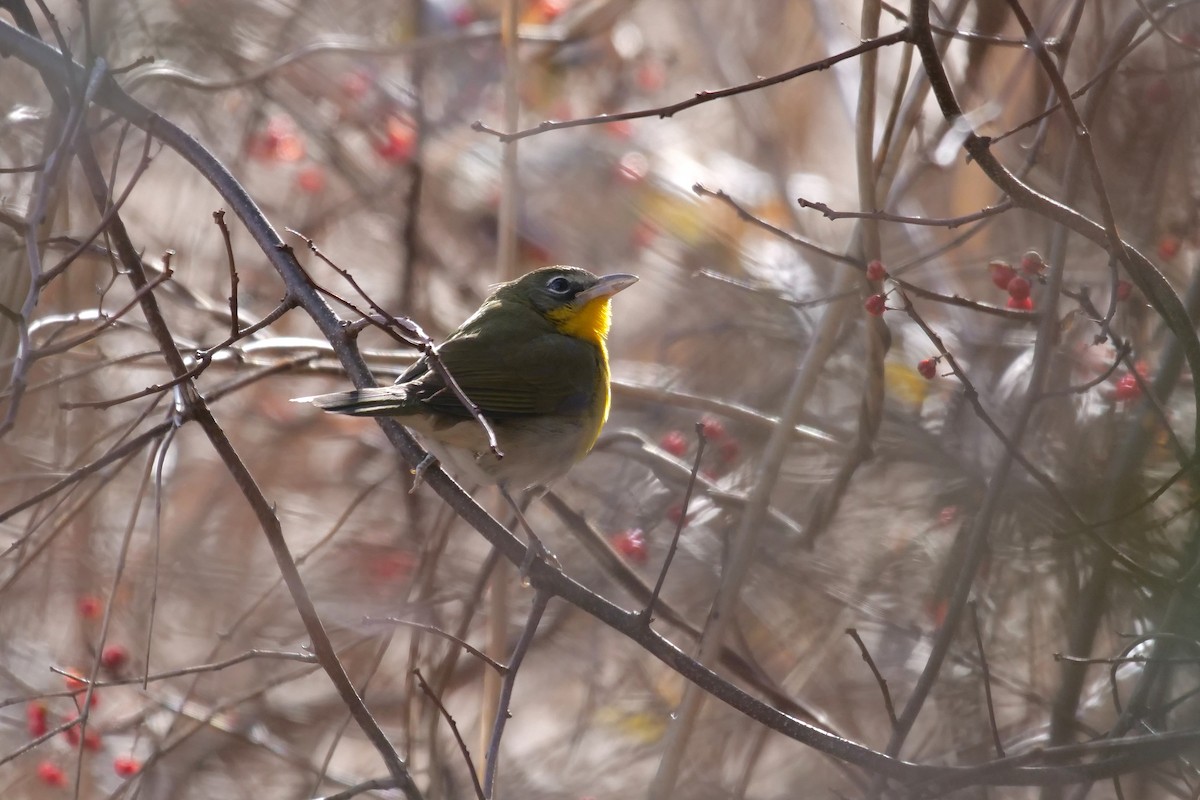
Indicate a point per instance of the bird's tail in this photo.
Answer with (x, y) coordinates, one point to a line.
(385, 401)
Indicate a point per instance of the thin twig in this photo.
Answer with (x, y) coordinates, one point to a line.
(244, 479)
(701, 440)
(216, 666)
(464, 644)
(362, 788)
(219, 219)
(879, 679)
(702, 97)
(987, 678)
(510, 678)
(883, 216)
(858, 264)
(462, 745)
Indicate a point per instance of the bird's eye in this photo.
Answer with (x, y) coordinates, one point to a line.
(559, 285)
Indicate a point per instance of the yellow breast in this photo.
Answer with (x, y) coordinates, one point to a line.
(590, 323)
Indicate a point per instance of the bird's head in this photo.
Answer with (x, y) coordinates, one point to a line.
(574, 300)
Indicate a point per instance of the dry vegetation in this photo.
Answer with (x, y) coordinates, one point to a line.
(935, 519)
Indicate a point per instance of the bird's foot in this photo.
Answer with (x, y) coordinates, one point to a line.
(534, 552)
(418, 472)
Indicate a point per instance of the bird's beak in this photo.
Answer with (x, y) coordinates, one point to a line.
(607, 286)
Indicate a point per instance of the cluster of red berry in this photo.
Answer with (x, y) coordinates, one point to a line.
(37, 714)
(280, 142)
(631, 542)
(876, 304)
(1018, 284)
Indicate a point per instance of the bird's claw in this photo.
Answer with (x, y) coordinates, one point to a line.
(418, 472)
(535, 551)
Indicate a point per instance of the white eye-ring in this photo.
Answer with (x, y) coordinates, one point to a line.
(559, 285)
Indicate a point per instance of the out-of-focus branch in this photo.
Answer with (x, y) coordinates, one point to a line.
(700, 98)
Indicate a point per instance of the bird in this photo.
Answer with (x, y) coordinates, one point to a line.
(533, 359)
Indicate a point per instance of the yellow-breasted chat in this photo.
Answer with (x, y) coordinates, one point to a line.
(533, 359)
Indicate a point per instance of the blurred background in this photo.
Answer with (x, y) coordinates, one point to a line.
(850, 456)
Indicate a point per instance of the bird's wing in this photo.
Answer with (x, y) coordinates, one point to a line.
(547, 374)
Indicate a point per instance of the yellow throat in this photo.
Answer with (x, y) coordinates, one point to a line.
(589, 323)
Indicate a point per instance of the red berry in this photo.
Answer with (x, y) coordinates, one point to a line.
(114, 656)
(392, 566)
(675, 443)
(928, 368)
(947, 515)
(72, 733)
(311, 179)
(876, 271)
(1024, 304)
(126, 766)
(74, 680)
(1124, 290)
(278, 141)
(92, 740)
(35, 718)
(1168, 247)
(462, 16)
(631, 543)
(1032, 263)
(90, 607)
(549, 10)
(1002, 273)
(51, 774)
(650, 76)
(728, 451)
(1127, 388)
(675, 514)
(712, 428)
(876, 304)
(399, 141)
(618, 129)
(1018, 288)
